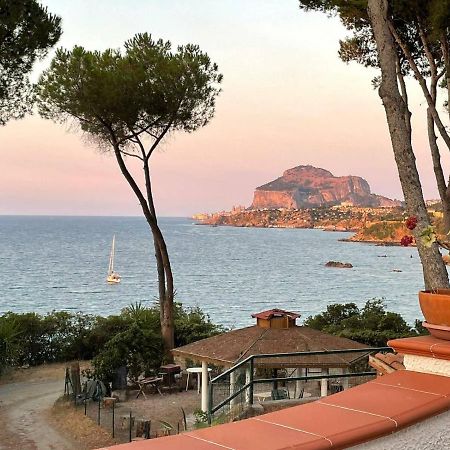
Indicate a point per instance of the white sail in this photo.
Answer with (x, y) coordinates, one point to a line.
(112, 277)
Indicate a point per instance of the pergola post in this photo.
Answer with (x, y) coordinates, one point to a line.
(232, 386)
(345, 380)
(324, 384)
(299, 372)
(204, 386)
(247, 380)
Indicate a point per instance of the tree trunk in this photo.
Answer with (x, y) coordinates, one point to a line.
(434, 271)
(166, 309)
(166, 293)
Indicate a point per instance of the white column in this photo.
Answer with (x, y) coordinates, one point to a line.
(324, 384)
(232, 386)
(247, 380)
(299, 372)
(345, 380)
(204, 386)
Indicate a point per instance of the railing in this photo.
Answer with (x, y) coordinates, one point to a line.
(246, 389)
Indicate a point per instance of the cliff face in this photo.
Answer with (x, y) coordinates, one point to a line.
(309, 187)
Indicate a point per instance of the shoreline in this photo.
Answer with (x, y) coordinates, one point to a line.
(377, 243)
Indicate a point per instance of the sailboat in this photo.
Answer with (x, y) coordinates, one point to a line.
(113, 277)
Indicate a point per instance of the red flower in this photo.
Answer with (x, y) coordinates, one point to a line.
(411, 222)
(406, 241)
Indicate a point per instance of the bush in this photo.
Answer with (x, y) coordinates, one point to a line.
(192, 325)
(33, 339)
(137, 348)
(371, 325)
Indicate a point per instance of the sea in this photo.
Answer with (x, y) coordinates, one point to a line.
(60, 263)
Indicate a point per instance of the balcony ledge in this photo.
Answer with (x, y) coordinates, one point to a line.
(363, 413)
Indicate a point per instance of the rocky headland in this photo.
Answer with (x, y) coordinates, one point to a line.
(312, 187)
(311, 197)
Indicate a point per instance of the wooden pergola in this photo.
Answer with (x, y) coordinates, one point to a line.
(275, 332)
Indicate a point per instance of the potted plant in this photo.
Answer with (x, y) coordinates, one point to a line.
(435, 304)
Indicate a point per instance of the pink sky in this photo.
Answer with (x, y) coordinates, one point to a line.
(287, 100)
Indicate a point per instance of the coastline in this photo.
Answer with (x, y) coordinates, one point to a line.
(377, 226)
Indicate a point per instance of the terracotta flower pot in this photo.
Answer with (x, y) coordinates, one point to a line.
(435, 306)
(438, 331)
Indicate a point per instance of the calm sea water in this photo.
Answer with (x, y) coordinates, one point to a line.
(60, 263)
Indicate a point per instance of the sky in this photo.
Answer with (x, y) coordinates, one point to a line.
(286, 100)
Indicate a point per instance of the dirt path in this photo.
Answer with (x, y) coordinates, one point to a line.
(24, 409)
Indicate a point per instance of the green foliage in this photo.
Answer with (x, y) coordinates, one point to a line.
(383, 230)
(192, 325)
(117, 96)
(428, 236)
(131, 338)
(409, 17)
(9, 343)
(27, 31)
(139, 349)
(371, 325)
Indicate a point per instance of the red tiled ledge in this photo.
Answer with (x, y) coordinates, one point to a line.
(351, 417)
(427, 346)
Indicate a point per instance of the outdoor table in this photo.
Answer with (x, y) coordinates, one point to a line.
(263, 396)
(151, 381)
(198, 371)
(168, 373)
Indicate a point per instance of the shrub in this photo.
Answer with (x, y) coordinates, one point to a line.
(33, 339)
(137, 348)
(371, 325)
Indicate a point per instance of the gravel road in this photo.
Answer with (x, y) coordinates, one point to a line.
(24, 420)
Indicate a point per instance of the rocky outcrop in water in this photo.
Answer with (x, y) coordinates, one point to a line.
(339, 265)
(310, 187)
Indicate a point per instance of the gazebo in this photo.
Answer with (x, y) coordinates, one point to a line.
(275, 332)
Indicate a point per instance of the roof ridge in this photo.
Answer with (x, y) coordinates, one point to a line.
(253, 343)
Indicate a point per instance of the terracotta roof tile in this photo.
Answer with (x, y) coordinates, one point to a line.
(275, 313)
(328, 422)
(238, 344)
(255, 434)
(385, 363)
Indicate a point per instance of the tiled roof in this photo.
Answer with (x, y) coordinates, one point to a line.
(357, 415)
(275, 313)
(233, 346)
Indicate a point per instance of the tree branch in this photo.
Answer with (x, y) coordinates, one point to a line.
(159, 138)
(133, 155)
(404, 93)
(422, 83)
(426, 47)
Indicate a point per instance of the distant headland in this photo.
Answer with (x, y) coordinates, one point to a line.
(312, 187)
(311, 197)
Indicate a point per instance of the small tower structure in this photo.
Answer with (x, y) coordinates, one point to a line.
(276, 318)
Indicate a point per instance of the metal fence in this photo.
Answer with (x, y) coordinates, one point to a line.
(255, 379)
(122, 423)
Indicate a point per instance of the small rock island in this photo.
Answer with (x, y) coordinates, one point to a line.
(339, 265)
